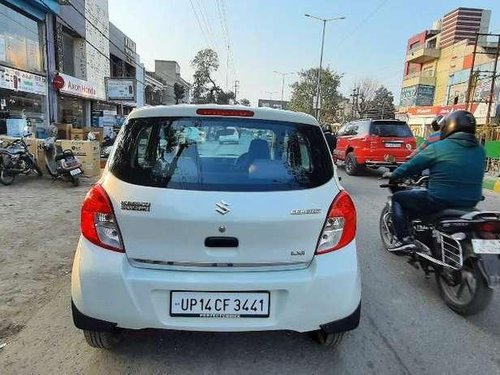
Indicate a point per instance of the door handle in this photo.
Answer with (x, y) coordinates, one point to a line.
(221, 242)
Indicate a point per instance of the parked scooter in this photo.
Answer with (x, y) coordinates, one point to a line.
(16, 159)
(61, 164)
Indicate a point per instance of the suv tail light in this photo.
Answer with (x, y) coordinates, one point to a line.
(98, 221)
(340, 225)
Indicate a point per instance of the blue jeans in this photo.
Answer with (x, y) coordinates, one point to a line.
(411, 204)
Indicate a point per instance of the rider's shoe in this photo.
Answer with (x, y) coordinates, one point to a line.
(407, 245)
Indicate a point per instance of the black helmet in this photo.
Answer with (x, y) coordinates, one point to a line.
(458, 121)
(437, 122)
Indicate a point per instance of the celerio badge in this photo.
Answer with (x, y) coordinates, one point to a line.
(307, 211)
(136, 206)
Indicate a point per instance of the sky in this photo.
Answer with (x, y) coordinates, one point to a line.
(274, 35)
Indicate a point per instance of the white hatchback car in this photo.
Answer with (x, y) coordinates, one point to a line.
(229, 135)
(182, 235)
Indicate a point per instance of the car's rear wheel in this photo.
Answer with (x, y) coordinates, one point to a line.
(328, 339)
(352, 167)
(103, 339)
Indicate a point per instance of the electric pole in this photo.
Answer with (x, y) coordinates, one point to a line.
(236, 86)
(354, 96)
(283, 75)
(492, 88)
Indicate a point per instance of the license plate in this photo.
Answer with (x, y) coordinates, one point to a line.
(486, 246)
(392, 145)
(220, 304)
(75, 171)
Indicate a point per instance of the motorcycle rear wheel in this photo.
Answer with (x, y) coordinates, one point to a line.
(471, 295)
(7, 177)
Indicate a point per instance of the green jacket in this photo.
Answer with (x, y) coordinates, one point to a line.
(456, 166)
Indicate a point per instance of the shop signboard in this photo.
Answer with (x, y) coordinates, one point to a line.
(18, 80)
(78, 87)
(425, 95)
(120, 89)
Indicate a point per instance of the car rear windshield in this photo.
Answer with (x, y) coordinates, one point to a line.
(196, 154)
(390, 129)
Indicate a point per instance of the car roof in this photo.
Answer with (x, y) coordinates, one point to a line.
(189, 110)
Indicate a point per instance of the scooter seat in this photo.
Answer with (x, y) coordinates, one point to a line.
(16, 151)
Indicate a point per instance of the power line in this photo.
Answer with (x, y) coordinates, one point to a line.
(199, 25)
(358, 26)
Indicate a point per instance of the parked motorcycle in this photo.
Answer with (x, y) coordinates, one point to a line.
(61, 164)
(461, 247)
(107, 146)
(16, 159)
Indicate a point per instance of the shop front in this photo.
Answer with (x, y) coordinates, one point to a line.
(23, 81)
(75, 100)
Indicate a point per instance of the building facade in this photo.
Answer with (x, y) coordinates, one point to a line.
(438, 67)
(168, 73)
(56, 58)
(463, 23)
(24, 69)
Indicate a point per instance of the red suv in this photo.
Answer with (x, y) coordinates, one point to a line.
(373, 143)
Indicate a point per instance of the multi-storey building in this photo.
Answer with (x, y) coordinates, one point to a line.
(437, 69)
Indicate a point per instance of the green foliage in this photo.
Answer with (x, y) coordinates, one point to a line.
(305, 88)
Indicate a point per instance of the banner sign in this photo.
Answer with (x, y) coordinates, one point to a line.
(120, 89)
(17, 80)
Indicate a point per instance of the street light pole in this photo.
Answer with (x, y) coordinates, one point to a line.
(318, 88)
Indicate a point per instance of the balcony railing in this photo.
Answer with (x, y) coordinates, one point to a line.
(419, 78)
(421, 54)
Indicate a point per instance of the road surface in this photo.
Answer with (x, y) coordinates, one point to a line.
(405, 329)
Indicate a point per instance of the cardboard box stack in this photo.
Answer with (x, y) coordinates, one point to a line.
(64, 131)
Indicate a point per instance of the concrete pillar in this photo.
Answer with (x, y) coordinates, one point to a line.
(50, 53)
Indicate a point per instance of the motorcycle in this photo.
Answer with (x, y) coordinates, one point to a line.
(460, 247)
(107, 146)
(16, 159)
(61, 164)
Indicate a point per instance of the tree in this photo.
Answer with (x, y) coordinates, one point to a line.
(222, 97)
(366, 89)
(205, 63)
(205, 89)
(245, 102)
(382, 104)
(179, 92)
(305, 88)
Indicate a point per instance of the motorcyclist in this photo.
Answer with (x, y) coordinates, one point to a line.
(456, 165)
(433, 137)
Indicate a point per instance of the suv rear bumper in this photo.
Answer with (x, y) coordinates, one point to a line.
(371, 163)
(107, 290)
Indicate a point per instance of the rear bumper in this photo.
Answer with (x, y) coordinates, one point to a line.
(373, 163)
(106, 287)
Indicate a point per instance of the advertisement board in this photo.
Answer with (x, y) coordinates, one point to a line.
(18, 80)
(120, 89)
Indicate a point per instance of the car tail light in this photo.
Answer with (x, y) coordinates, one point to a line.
(98, 221)
(340, 225)
(224, 112)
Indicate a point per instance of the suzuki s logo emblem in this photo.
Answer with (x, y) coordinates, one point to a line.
(222, 207)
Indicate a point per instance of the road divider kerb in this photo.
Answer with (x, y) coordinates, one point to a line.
(492, 184)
